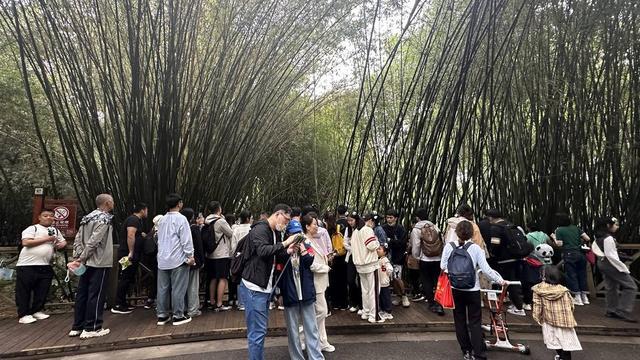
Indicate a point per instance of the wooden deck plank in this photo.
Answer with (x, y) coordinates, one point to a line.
(141, 324)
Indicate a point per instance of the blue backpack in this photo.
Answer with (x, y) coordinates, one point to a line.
(462, 272)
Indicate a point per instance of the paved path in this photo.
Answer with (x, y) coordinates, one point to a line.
(49, 337)
(407, 346)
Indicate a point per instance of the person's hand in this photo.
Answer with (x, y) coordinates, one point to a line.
(74, 265)
(60, 245)
(290, 240)
(144, 235)
(293, 248)
(52, 239)
(504, 283)
(191, 261)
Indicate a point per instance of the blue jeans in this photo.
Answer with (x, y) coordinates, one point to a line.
(193, 292)
(305, 315)
(256, 316)
(575, 269)
(172, 289)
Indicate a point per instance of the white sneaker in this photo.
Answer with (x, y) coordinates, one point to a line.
(40, 315)
(364, 316)
(27, 319)
(387, 316)
(240, 307)
(329, 348)
(395, 302)
(373, 320)
(514, 311)
(577, 300)
(91, 334)
(526, 307)
(74, 333)
(405, 301)
(585, 299)
(353, 309)
(360, 312)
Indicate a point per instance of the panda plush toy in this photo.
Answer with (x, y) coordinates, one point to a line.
(544, 252)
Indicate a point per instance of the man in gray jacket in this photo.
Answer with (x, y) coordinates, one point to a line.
(93, 250)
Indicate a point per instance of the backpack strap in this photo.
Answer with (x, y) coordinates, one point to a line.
(467, 245)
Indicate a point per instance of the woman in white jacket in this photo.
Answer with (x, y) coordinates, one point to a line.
(621, 288)
(364, 246)
(320, 268)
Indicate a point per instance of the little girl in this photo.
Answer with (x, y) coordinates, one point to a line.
(553, 310)
(385, 273)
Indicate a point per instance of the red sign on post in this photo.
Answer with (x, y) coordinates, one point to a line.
(64, 214)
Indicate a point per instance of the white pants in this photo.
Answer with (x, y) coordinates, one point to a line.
(369, 295)
(321, 315)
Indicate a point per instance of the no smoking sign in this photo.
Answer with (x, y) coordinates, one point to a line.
(60, 213)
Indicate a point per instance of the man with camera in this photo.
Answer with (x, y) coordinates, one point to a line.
(34, 271)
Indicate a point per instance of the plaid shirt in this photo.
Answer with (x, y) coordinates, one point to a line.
(552, 305)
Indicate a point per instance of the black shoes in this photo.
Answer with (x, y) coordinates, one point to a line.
(118, 309)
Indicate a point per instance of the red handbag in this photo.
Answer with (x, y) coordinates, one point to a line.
(444, 294)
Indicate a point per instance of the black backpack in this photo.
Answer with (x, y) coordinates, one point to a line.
(209, 240)
(517, 244)
(243, 253)
(462, 272)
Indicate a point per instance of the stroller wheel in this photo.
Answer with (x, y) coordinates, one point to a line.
(524, 350)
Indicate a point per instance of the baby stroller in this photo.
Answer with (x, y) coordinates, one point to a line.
(498, 328)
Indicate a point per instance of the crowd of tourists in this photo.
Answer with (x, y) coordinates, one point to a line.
(311, 265)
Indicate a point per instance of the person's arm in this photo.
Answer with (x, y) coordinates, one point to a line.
(486, 269)
(537, 308)
(131, 239)
(610, 250)
(445, 257)
(415, 243)
(264, 246)
(29, 238)
(585, 238)
(60, 243)
(99, 232)
(185, 239)
(371, 241)
(226, 229)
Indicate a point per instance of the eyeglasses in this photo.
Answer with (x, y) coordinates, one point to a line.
(286, 217)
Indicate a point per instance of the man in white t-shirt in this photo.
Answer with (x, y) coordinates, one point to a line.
(34, 271)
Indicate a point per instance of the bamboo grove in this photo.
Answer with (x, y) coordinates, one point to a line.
(531, 106)
(194, 96)
(528, 106)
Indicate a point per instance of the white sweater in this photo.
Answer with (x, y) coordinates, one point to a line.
(363, 249)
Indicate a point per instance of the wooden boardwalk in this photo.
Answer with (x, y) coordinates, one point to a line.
(49, 338)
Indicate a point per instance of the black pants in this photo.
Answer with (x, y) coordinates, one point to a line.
(338, 283)
(126, 278)
(151, 262)
(385, 299)
(90, 297)
(429, 272)
(32, 288)
(564, 355)
(355, 294)
(413, 276)
(233, 290)
(467, 317)
(511, 271)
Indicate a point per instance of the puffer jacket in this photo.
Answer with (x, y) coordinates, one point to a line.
(93, 244)
(553, 305)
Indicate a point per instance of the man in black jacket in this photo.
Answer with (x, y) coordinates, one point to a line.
(397, 236)
(257, 276)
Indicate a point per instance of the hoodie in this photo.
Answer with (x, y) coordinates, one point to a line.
(93, 244)
(223, 236)
(553, 305)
